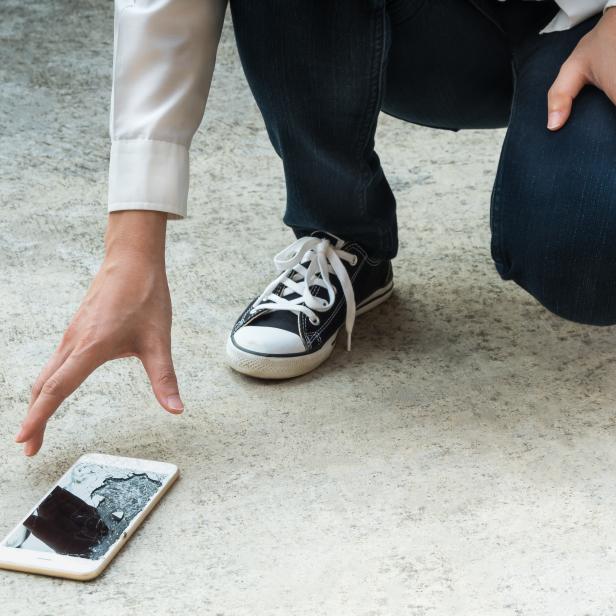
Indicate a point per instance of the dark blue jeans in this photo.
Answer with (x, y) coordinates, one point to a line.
(322, 71)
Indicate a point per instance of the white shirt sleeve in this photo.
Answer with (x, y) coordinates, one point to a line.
(574, 12)
(164, 55)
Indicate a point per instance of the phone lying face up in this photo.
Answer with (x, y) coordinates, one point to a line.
(83, 521)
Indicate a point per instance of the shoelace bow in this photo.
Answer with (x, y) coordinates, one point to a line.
(323, 259)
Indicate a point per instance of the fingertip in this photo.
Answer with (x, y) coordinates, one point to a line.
(555, 120)
(30, 450)
(173, 411)
(34, 442)
(174, 404)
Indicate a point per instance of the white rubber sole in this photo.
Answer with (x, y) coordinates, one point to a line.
(266, 367)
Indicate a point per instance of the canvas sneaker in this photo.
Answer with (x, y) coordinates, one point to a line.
(291, 328)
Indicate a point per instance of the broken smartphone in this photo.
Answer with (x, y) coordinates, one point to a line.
(83, 521)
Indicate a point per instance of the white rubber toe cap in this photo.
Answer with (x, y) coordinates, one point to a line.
(268, 340)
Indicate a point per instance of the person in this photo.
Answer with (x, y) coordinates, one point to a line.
(321, 73)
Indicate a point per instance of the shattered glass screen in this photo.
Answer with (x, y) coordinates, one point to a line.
(87, 511)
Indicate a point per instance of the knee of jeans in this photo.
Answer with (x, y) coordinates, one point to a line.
(570, 270)
(554, 206)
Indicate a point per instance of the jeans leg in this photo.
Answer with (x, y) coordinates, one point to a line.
(450, 61)
(554, 199)
(449, 66)
(316, 70)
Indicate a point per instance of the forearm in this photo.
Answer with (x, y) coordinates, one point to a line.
(164, 55)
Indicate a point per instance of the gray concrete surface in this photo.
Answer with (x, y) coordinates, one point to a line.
(459, 461)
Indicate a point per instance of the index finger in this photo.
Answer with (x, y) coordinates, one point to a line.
(59, 386)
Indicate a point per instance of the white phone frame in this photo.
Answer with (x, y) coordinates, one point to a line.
(74, 567)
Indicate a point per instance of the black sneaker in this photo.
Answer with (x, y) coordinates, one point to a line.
(291, 327)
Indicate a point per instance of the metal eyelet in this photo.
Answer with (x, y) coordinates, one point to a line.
(315, 321)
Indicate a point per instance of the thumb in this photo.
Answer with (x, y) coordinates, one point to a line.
(159, 367)
(570, 80)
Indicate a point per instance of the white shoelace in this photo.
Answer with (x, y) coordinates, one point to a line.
(323, 259)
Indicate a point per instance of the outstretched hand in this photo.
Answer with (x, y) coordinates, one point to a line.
(126, 312)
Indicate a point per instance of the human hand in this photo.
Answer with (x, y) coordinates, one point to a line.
(126, 312)
(593, 62)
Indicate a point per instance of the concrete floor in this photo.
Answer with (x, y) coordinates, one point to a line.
(459, 461)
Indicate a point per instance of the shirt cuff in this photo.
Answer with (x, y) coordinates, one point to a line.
(146, 174)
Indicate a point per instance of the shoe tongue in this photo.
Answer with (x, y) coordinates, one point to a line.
(334, 239)
(285, 319)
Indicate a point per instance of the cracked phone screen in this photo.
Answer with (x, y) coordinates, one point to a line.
(86, 513)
